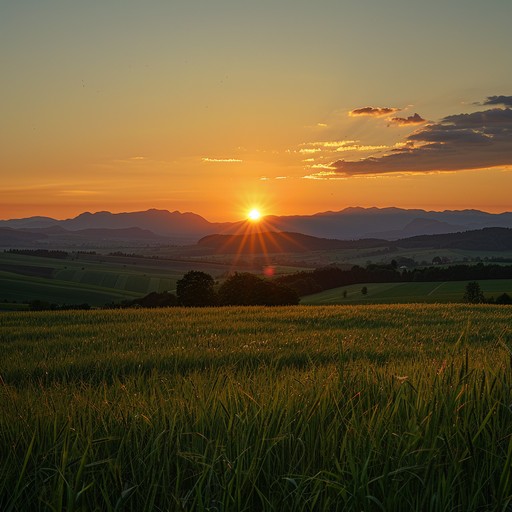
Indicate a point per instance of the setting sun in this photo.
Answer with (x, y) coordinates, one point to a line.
(254, 215)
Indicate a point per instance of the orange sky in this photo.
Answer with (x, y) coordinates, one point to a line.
(291, 107)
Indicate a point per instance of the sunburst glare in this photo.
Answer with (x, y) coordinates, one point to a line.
(254, 215)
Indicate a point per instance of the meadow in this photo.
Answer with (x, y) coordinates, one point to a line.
(96, 279)
(403, 293)
(289, 408)
(99, 279)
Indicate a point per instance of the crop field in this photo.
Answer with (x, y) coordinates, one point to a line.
(403, 293)
(94, 279)
(229, 409)
(97, 279)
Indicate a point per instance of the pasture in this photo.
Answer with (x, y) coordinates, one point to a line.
(95, 279)
(404, 293)
(98, 279)
(229, 409)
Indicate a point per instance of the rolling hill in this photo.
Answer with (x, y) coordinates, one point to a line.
(488, 239)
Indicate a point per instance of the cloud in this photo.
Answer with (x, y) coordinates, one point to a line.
(309, 150)
(75, 193)
(323, 175)
(337, 146)
(221, 160)
(373, 111)
(404, 121)
(499, 100)
(479, 140)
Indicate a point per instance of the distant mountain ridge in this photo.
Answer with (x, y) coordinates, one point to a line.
(349, 224)
(280, 242)
(489, 239)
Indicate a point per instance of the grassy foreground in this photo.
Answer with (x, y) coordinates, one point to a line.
(291, 409)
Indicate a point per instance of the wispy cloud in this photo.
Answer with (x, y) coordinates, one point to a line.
(308, 151)
(373, 111)
(323, 175)
(338, 146)
(77, 193)
(478, 140)
(221, 160)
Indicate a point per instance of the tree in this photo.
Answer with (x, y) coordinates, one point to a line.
(156, 300)
(504, 298)
(364, 290)
(195, 288)
(473, 293)
(246, 289)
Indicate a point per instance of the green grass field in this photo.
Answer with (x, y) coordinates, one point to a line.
(406, 293)
(94, 279)
(292, 409)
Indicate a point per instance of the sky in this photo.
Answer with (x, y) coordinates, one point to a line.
(221, 106)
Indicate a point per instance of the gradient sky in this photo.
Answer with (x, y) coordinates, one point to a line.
(217, 106)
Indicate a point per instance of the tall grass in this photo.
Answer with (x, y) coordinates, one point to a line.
(299, 409)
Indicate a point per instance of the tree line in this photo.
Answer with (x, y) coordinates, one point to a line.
(325, 278)
(198, 289)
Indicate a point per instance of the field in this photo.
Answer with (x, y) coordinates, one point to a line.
(99, 279)
(403, 293)
(230, 409)
(94, 279)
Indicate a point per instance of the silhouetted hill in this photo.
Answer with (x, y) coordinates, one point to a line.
(277, 242)
(160, 222)
(487, 239)
(17, 238)
(58, 236)
(29, 222)
(387, 223)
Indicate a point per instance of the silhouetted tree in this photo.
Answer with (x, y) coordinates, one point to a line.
(246, 289)
(156, 300)
(473, 293)
(195, 288)
(364, 290)
(504, 298)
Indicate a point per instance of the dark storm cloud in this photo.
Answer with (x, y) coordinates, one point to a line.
(403, 121)
(458, 142)
(373, 111)
(499, 100)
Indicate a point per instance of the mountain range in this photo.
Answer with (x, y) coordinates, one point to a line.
(162, 226)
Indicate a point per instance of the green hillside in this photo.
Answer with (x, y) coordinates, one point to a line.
(402, 293)
(95, 279)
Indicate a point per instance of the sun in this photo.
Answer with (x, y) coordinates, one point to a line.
(254, 215)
